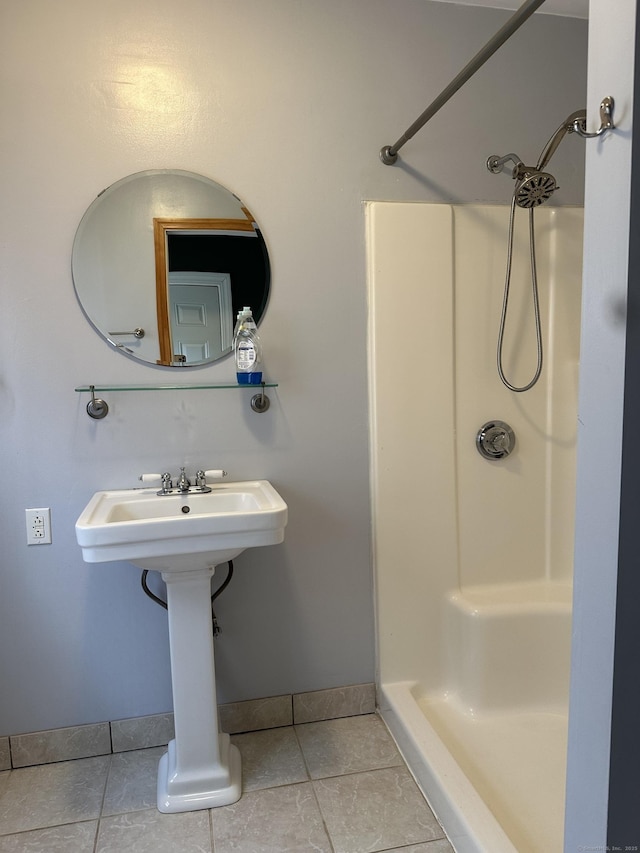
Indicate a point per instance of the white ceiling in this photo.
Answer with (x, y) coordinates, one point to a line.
(568, 8)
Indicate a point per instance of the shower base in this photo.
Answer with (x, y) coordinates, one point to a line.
(489, 751)
(515, 762)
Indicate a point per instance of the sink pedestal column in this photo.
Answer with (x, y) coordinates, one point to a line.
(201, 769)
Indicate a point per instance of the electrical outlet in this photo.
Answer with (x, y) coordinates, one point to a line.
(38, 526)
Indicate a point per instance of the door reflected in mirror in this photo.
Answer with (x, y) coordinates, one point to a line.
(176, 255)
(195, 322)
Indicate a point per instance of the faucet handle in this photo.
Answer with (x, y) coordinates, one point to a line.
(213, 474)
(150, 478)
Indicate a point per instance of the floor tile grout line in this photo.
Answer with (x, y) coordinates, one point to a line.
(310, 782)
(50, 826)
(106, 785)
(304, 757)
(212, 843)
(323, 818)
(313, 789)
(95, 836)
(102, 802)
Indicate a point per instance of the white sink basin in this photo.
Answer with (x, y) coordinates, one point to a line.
(174, 533)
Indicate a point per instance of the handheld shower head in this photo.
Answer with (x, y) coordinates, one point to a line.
(567, 126)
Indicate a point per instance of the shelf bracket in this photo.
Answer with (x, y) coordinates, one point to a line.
(96, 408)
(260, 402)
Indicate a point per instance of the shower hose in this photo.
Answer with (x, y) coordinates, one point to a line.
(505, 300)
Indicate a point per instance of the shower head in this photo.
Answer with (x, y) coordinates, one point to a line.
(534, 186)
(534, 189)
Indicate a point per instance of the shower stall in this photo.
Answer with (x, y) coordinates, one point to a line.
(473, 555)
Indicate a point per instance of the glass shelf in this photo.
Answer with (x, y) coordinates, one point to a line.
(98, 408)
(204, 386)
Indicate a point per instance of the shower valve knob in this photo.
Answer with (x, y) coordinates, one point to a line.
(495, 440)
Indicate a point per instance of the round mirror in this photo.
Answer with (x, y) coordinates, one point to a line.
(163, 261)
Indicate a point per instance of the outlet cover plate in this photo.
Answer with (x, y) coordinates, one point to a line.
(38, 526)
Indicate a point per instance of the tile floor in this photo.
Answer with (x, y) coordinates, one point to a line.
(337, 786)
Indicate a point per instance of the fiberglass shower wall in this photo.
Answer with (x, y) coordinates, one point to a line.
(444, 517)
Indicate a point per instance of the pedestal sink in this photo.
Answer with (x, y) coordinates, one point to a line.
(184, 537)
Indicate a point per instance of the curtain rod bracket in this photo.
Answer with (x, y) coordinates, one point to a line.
(388, 155)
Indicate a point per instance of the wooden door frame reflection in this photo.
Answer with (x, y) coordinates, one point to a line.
(161, 229)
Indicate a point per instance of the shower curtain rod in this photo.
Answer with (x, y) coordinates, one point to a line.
(389, 154)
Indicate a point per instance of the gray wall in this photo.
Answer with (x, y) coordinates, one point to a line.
(288, 104)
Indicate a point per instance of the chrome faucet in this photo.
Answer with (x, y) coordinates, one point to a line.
(183, 482)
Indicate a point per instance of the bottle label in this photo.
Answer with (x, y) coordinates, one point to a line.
(245, 355)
